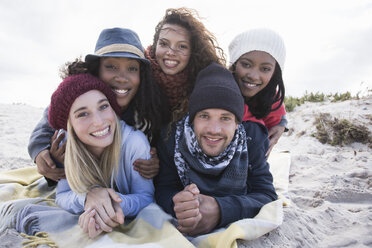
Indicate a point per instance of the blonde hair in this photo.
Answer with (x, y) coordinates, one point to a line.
(83, 169)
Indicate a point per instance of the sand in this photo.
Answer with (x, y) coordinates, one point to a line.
(330, 186)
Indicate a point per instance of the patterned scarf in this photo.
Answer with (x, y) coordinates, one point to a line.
(175, 87)
(207, 164)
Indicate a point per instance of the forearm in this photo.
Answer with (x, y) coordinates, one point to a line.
(40, 136)
(69, 200)
(132, 203)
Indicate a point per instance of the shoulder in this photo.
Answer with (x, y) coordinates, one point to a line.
(257, 133)
(131, 136)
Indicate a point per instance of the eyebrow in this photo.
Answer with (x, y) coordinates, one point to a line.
(84, 107)
(165, 39)
(265, 63)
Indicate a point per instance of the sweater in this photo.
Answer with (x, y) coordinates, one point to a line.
(135, 191)
(276, 117)
(235, 204)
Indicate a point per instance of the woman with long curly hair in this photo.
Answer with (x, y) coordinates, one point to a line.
(182, 47)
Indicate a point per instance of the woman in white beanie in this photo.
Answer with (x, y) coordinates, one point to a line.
(257, 60)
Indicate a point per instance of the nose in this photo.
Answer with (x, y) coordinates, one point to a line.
(253, 74)
(121, 77)
(97, 119)
(171, 51)
(214, 127)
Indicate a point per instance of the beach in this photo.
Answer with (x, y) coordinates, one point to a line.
(330, 187)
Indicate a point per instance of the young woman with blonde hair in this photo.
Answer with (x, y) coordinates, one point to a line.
(100, 151)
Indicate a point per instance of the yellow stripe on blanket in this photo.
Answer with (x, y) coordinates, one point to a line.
(24, 176)
(269, 218)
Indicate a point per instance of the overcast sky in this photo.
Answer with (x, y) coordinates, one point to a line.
(329, 42)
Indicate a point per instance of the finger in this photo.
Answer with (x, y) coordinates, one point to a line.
(102, 224)
(60, 138)
(149, 174)
(92, 229)
(85, 219)
(114, 196)
(184, 206)
(45, 157)
(192, 188)
(119, 213)
(191, 213)
(183, 196)
(189, 225)
(269, 151)
(106, 215)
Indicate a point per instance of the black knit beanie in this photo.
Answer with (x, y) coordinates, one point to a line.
(215, 87)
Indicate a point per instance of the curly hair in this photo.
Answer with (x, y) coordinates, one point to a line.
(150, 106)
(204, 46)
(260, 105)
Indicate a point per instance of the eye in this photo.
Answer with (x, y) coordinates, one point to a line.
(104, 106)
(266, 69)
(82, 114)
(162, 43)
(133, 68)
(110, 67)
(226, 118)
(203, 116)
(183, 47)
(245, 64)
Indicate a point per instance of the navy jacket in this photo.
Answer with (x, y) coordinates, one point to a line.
(260, 189)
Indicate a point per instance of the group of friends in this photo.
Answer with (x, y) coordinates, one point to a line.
(170, 124)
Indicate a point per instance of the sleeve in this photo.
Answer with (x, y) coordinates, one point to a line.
(260, 181)
(69, 200)
(167, 182)
(283, 121)
(40, 136)
(138, 192)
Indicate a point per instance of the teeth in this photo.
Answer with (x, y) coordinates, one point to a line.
(170, 62)
(101, 133)
(212, 139)
(120, 91)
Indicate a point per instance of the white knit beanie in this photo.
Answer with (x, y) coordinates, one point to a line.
(261, 39)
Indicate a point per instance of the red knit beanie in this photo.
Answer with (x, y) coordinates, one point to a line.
(70, 89)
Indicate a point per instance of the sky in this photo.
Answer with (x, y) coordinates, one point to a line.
(328, 42)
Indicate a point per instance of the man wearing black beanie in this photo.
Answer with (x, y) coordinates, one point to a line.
(213, 169)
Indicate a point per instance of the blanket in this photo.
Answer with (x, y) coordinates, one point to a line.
(27, 205)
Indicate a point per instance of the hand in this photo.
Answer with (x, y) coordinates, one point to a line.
(274, 134)
(148, 168)
(88, 223)
(58, 152)
(106, 203)
(210, 215)
(186, 208)
(47, 168)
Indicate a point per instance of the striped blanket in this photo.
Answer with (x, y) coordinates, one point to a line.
(27, 205)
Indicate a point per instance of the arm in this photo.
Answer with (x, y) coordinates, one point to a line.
(69, 200)
(38, 148)
(259, 181)
(167, 182)
(148, 168)
(135, 191)
(40, 136)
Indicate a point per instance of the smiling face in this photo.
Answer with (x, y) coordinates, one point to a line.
(123, 76)
(93, 121)
(214, 130)
(173, 49)
(253, 72)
